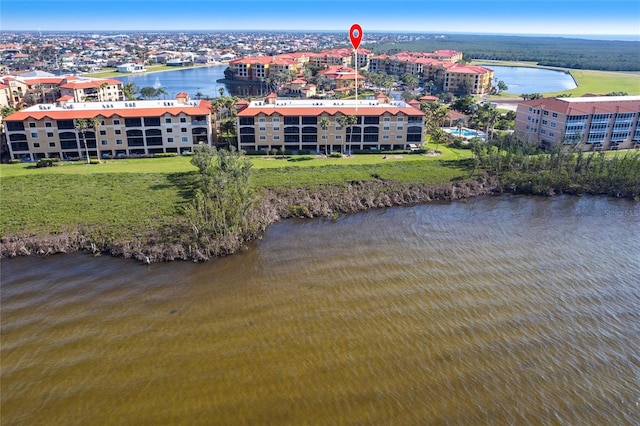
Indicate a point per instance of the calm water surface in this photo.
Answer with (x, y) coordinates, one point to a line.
(506, 310)
(533, 80)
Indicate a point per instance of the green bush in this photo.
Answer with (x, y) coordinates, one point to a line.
(14, 161)
(94, 161)
(335, 155)
(165, 154)
(46, 162)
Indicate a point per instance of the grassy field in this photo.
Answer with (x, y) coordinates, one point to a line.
(130, 197)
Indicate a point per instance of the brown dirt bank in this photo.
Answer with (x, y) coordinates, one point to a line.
(273, 205)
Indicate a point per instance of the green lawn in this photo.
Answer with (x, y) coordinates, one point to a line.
(127, 198)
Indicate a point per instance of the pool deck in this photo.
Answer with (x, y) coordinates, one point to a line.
(470, 133)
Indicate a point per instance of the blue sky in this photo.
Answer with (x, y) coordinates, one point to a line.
(498, 16)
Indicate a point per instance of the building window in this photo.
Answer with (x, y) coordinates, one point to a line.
(262, 120)
(263, 138)
(400, 119)
(169, 130)
(170, 140)
(185, 139)
(385, 119)
(118, 132)
(276, 138)
(183, 120)
(34, 134)
(544, 122)
(276, 119)
(338, 137)
(398, 136)
(554, 115)
(385, 128)
(116, 122)
(551, 134)
(276, 129)
(32, 124)
(263, 129)
(385, 137)
(400, 128)
(49, 134)
(543, 132)
(118, 141)
(36, 145)
(553, 124)
(103, 132)
(183, 129)
(167, 120)
(52, 144)
(47, 124)
(104, 142)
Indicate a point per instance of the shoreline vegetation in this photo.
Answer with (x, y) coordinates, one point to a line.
(156, 210)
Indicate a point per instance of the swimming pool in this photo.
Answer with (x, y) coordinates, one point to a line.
(464, 132)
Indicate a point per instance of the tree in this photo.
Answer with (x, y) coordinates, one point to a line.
(463, 104)
(129, 91)
(81, 125)
(502, 87)
(160, 91)
(347, 121)
(219, 211)
(410, 80)
(324, 125)
(95, 123)
(221, 91)
(148, 92)
(438, 137)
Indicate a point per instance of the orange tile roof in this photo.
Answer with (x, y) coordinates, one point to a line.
(468, 69)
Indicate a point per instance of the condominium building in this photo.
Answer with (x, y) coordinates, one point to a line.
(298, 125)
(468, 79)
(588, 122)
(114, 128)
(48, 88)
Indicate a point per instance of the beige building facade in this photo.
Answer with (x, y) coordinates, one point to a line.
(298, 125)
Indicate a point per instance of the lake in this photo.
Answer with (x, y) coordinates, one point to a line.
(192, 81)
(494, 310)
(532, 80)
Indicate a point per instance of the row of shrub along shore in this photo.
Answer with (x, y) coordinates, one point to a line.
(273, 205)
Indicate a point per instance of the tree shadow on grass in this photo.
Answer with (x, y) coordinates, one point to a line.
(186, 182)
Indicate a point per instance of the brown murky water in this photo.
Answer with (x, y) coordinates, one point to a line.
(495, 311)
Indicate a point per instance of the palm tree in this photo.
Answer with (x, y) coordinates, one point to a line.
(161, 91)
(221, 91)
(101, 91)
(324, 125)
(81, 125)
(347, 121)
(129, 91)
(95, 123)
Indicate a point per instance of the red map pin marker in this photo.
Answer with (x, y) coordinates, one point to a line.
(355, 35)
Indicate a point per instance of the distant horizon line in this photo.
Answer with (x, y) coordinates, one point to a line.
(434, 32)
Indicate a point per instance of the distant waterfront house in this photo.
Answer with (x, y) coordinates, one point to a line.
(126, 128)
(131, 67)
(588, 123)
(294, 125)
